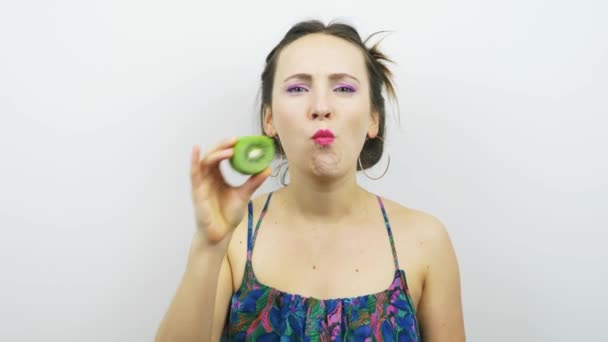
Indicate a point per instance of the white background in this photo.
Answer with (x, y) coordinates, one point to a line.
(503, 108)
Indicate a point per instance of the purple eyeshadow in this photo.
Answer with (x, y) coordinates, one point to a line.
(295, 86)
(347, 86)
(351, 88)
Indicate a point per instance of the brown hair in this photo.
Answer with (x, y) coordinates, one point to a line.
(378, 73)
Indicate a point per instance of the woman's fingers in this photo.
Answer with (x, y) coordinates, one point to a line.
(211, 160)
(250, 186)
(195, 171)
(200, 167)
(226, 143)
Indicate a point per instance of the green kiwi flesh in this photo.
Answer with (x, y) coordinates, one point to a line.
(252, 154)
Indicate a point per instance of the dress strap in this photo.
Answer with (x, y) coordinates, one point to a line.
(252, 234)
(390, 233)
(249, 224)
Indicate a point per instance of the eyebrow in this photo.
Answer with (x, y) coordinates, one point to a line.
(333, 77)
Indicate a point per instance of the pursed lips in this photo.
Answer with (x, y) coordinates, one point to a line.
(324, 137)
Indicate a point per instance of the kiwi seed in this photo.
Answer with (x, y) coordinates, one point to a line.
(252, 154)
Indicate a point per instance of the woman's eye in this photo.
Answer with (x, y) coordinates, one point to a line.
(295, 89)
(300, 89)
(345, 89)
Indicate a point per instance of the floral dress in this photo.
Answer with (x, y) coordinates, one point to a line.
(262, 313)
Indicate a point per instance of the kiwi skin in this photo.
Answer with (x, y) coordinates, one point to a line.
(242, 150)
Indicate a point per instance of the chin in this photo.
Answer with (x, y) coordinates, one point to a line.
(326, 173)
(326, 166)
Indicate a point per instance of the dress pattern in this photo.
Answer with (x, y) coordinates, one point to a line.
(262, 313)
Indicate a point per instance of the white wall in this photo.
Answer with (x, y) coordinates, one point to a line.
(502, 137)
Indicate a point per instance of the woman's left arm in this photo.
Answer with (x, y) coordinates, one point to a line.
(440, 309)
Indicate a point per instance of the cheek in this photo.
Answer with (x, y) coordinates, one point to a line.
(359, 123)
(287, 125)
(354, 134)
(288, 114)
(286, 120)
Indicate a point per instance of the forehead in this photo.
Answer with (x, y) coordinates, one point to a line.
(320, 54)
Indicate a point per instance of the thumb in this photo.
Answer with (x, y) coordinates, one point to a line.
(250, 186)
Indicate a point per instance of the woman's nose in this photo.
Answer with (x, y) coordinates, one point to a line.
(321, 115)
(320, 108)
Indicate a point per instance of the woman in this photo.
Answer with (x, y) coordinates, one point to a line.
(332, 261)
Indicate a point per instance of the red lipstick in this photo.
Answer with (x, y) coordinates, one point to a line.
(323, 137)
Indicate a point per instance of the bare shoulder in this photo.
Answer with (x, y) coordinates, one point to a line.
(427, 249)
(422, 240)
(239, 238)
(422, 226)
(237, 249)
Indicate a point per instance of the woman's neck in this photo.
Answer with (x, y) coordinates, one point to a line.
(327, 202)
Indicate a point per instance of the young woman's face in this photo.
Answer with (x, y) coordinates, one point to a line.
(321, 83)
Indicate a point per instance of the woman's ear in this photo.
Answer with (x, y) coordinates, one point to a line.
(268, 127)
(374, 125)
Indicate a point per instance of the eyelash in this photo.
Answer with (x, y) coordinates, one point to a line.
(291, 89)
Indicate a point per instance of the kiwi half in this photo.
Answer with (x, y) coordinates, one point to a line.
(252, 154)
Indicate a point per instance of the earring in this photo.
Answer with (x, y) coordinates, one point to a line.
(282, 162)
(387, 165)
